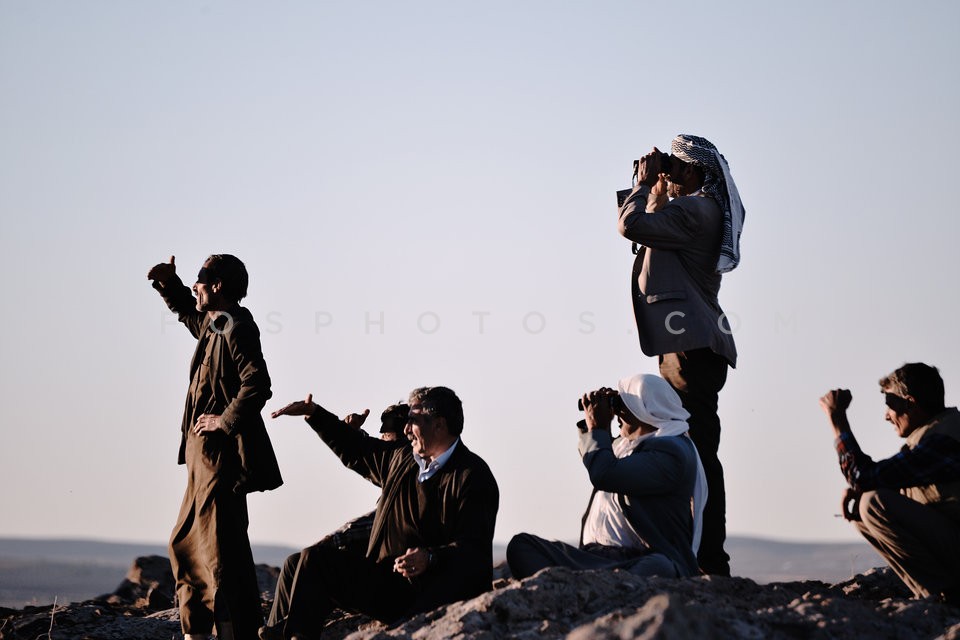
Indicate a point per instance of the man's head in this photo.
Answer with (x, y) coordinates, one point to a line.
(393, 422)
(913, 395)
(221, 283)
(649, 403)
(693, 163)
(435, 420)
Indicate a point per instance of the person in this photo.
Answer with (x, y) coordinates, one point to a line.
(354, 534)
(907, 506)
(432, 537)
(645, 512)
(225, 447)
(685, 245)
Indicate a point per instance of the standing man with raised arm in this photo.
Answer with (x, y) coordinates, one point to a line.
(685, 244)
(225, 447)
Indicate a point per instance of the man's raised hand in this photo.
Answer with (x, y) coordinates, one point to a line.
(651, 166)
(356, 420)
(163, 271)
(836, 401)
(297, 408)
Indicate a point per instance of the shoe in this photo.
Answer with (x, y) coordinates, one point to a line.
(271, 633)
(224, 631)
(951, 597)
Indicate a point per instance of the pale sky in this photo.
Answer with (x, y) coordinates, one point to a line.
(423, 194)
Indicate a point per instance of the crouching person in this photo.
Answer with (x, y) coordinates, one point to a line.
(431, 542)
(907, 506)
(649, 489)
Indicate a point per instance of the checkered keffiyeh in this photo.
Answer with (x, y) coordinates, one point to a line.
(719, 185)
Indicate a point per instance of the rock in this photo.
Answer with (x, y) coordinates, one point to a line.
(875, 584)
(662, 616)
(149, 585)
(555, 603)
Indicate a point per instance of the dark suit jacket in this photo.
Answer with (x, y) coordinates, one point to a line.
(470, 500)
(241, 385)
(675, 283)
(654, 485)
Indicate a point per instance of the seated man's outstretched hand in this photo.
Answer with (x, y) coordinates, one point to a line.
(297, 408)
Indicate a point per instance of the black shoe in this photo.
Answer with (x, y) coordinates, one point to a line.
(271, 633)
(951, 597)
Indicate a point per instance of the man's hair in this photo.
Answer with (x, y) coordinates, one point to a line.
(394, 419)
(443, 402)
(231, 273)
(919, 380)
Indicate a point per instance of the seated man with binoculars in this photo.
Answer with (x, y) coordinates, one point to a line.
(649, 490)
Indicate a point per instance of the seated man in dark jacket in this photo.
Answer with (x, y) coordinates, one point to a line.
(432, 536)
(649, 491)
(354, 534)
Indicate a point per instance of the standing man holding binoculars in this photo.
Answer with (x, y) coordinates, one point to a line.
(685, 216)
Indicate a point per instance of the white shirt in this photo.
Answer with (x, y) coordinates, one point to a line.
(606, 523)
(428, 470)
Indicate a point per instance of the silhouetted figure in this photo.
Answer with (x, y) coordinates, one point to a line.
(432, 537)
(907, 506)
(649, 489)
(225, 447)
(355, 534)
(685, 245)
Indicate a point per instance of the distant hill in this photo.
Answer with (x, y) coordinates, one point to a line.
(34, 571)
(774, 561)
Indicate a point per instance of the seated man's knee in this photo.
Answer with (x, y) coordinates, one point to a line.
(523, 556)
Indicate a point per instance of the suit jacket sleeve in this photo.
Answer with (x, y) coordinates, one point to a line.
(654, 468)
(243, 342)
(180, 300)
(370, 457)
(670, 229)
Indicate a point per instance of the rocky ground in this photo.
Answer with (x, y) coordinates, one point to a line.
(555, 603)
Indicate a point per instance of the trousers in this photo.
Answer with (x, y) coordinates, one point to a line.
(527, 554)
(698, 376)
(327, 577)
(209, 549)
(921, 545)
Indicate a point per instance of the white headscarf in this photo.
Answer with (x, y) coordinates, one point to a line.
(653, 401)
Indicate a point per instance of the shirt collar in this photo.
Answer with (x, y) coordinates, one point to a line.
(427, 470)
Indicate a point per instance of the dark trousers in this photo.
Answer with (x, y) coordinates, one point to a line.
(697, 376)
(527, 554)
(327, 578)
(353, 535)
